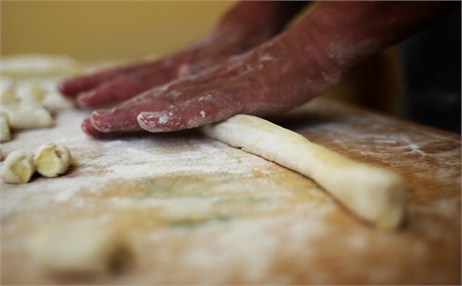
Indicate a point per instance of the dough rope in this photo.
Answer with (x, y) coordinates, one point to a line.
(373, 194)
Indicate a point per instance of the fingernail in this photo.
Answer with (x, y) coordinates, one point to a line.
(152, 121)
(101, 113)
(88, 128)
(84, 98)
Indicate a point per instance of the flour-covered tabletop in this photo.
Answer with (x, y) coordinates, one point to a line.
(193, 210)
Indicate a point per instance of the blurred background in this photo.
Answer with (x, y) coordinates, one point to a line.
(418, 80)
(101, 30)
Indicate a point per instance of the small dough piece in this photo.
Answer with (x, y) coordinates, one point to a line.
(77, 248)
(29, 116)
(38, 65)
(374, 194)
(5, 134)
(52, 160)
(30, 91)
(54, 102)
(7, 94)
(18, 167)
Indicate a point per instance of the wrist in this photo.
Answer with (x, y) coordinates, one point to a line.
(252, 23)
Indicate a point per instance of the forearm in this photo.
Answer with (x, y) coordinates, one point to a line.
(258, 20)
(348, 32)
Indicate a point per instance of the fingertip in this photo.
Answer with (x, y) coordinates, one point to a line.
(65, 87)
(162, 121)
(167, 121)
(99, 120)
(88, 129)
(152, 121)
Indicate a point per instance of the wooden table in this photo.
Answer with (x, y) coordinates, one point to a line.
(195, 210)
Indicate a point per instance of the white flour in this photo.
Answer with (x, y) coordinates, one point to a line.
(96, 162)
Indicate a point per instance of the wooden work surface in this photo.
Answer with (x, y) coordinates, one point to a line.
(195, 210)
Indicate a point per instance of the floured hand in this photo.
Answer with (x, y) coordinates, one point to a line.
(237, 32)
(273, 77)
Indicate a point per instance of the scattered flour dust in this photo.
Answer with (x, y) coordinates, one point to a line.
(163, 119)
(98, 162)
(370, 136)
(259, 239)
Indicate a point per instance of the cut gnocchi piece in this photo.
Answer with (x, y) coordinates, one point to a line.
(18, 167)
(30, 91)
(55, 102)
(52, 160)
(28, 116)
(78, 248)
(5, 134)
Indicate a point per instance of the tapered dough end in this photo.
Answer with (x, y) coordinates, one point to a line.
(394, 206)
(18, 167)
(52, 160)
(373, 194)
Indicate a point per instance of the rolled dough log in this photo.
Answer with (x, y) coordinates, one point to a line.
(374, 194)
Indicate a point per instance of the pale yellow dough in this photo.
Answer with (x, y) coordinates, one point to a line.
(373, 194)
(52, 160)
(76, 248)
(5, 134)
(18, 167)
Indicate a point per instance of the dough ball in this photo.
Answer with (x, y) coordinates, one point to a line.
(18, 167)
(78, 248)
(52, 160)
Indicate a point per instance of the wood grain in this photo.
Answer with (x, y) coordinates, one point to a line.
(198, 211)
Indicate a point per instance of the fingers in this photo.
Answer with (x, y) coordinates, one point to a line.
(209, 96)
(193, 113)
(73, 86)
(88, 129)
(176, 93)
(123, 117)
(114, 120)
(124, 87)
(188, 69)
(111, 85)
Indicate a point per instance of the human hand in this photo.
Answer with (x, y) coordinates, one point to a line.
(117, 84)
(268, 79)
(238, 31)
(280, 74)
